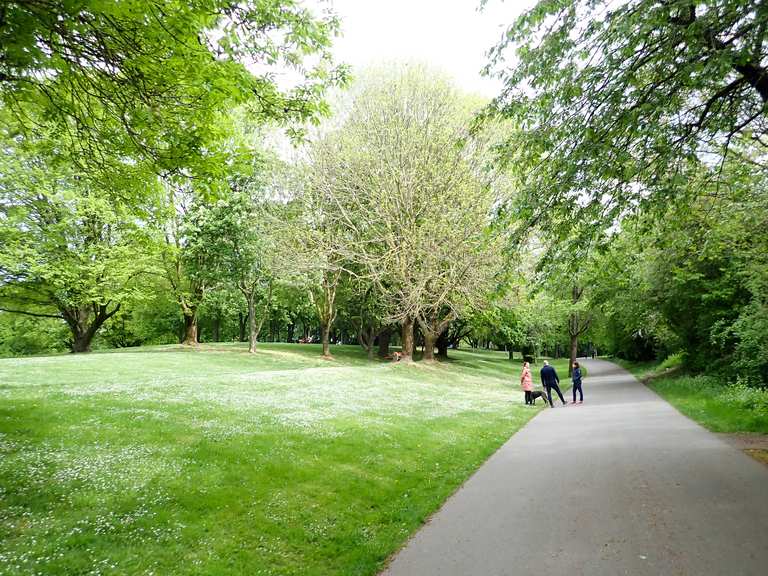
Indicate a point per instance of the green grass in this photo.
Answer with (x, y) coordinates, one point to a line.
(173, 461)
(651, 368)
(717, 405)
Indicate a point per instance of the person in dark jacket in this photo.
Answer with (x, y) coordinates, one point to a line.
(576, 379)
(550, 381)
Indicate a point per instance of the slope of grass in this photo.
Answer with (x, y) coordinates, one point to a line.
(174, 461)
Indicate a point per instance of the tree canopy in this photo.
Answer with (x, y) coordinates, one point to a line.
(146, 79)
(617, 103)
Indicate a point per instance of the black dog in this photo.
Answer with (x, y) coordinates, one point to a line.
(539, 394)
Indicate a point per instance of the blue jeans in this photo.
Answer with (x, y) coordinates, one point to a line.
(577, 386)
(549, 388)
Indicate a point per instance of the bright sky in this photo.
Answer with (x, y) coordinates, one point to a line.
(450, 34)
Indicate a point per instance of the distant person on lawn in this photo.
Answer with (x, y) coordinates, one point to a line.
(526, 381)
(550, 380)
(576, 379)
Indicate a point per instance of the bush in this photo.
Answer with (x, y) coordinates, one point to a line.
(748, 397)
(25, 335)
(672, 361)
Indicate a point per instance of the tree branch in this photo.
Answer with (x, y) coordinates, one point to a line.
(35, 314)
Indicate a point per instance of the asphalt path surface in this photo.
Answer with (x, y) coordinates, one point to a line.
(622, 484)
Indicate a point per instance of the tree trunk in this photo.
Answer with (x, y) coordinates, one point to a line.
(84, 322)
(407, 339)
(367, 339)
(82, 336)
(325, 304)
(442, 346)
(216, 337)
(511, 352)
(190, 329)
(429, 345)
(574, 352)
(242, 322)
(325, 336)
(384, 343)
(253, 333)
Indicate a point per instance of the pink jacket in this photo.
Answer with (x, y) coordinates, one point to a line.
(525, 380)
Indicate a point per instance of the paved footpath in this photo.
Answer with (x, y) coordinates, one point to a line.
(622, 484)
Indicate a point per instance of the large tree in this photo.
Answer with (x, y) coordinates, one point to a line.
(401, 184)
(694, 280)
(185, 271)
(70, 248)
(232, 242)
(319, 244)
(147, 77)
(615, 102)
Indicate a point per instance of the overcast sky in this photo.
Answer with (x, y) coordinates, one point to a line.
(450, 34)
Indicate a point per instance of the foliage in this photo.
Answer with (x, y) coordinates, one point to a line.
(617, 103)
(148, 79)
(26, 336)
(413, 209)
(71, 247)
(692, 278)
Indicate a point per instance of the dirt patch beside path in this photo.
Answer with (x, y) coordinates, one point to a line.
(756, 445)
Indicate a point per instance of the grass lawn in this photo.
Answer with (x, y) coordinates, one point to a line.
(714, 404)
(173, 461)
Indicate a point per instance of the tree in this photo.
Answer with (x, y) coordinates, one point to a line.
(186, 273)
(367, 311)
(693, 280)
(147, 78)
(69, 249)
(318, 242)
(413, 209)
(579, 321)
(616, 103)
(231, 242)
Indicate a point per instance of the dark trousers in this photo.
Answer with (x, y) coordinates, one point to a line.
(556, 388)
(528, 397)
(577, 386)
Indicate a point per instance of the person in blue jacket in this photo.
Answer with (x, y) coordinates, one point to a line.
(576, 379)
(550, 381)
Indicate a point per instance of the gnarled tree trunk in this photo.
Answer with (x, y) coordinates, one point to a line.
(84, 321)
(432, 329)
(366, 336)
(429, 345)
(442, 344)
(325, 338)
(190, 327)
(407, 338)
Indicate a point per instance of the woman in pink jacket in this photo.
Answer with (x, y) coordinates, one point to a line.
(527, 382)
